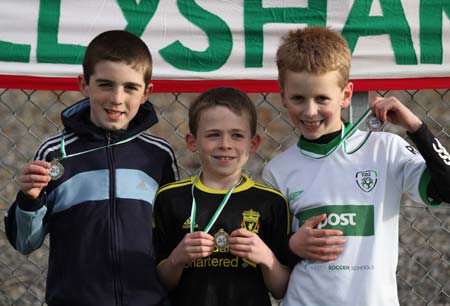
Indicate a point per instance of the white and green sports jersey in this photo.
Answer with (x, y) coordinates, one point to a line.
(360, 193)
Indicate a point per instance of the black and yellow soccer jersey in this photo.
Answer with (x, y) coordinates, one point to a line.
(221, 278)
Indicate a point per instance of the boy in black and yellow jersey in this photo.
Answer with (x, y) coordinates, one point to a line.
(219, 236)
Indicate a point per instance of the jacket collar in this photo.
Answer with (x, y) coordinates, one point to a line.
(76, 118)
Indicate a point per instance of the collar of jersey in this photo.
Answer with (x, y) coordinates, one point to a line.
(323, 149)
(246, 184)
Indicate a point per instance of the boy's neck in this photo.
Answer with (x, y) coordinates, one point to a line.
(324, 139)
(220, 183)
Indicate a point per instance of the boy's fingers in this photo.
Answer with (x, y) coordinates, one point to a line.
(41, 163)
(326, 251)
(328, 241)
(319, 257)
(326, 232)
(201, 242)
(314, 221)
(36, 167)
(240, 232)
(200, 249)
(200, 234)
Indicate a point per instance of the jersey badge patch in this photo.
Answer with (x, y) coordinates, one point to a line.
(250, 220)
(366, 180)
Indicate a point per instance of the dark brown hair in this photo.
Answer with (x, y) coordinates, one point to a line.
(234, 99)
(118, 46)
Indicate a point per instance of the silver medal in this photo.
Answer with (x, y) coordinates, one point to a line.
(56, 169)
(221, 239)
(373, 123)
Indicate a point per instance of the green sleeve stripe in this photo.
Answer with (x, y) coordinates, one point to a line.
(423, 186)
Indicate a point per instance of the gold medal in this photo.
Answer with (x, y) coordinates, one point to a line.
(373, 123)
(221, 239)
(56, 169)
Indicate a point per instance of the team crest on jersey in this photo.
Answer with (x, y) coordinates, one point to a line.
(250, 220)
(366, 180)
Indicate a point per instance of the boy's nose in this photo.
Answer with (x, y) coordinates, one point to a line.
(117, 96)
(226, 142)
(310, 109)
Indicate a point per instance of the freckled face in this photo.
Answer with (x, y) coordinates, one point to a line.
(314, 102)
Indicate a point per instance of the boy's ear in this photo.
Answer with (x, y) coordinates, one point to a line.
(191, 143)
(84, 87)
(254, 143)
(147, 93)
(347, 95)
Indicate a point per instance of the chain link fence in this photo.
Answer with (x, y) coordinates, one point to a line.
(28, 117)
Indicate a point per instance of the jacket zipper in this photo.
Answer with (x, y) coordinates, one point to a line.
(113, 225)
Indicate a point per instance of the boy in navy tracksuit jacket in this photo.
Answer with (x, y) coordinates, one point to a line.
(92, 187)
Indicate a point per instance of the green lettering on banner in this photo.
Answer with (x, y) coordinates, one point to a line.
(48, 49)
(137, 15)
(220, 41)
(255, 16)
(431, 30)
(393, 22)
(352, 220)
(10, 52)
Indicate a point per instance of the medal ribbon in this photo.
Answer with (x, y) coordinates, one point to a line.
(218, 210)
(64, 154)
(344, 135)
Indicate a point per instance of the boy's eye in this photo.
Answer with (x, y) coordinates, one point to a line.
(297, 99)
(104, 84)
(211, 135)
(131, 88)
(321, 99)
(238, 135)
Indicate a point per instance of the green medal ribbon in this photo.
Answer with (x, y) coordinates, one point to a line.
(63, 150)
(218, 210)
(344, 135)
(56, 169)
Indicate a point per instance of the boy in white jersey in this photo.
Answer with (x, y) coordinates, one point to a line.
(344, 185)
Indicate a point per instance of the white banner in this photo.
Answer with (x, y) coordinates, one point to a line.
(215, 39)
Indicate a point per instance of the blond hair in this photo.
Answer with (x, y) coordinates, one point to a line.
(314, 50)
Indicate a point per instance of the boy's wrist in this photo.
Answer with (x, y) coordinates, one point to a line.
(172, 260)
(415, 126)
(417, 131)
(269, 263)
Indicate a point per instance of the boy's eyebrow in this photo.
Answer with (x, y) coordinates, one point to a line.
(294, 95)
(103, 81)
(220, 130)
(126, 83)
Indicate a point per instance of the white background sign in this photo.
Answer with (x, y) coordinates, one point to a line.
(225, 39)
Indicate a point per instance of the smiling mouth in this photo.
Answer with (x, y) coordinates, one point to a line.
(224, 157)
(311, 123)
(114, 114)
